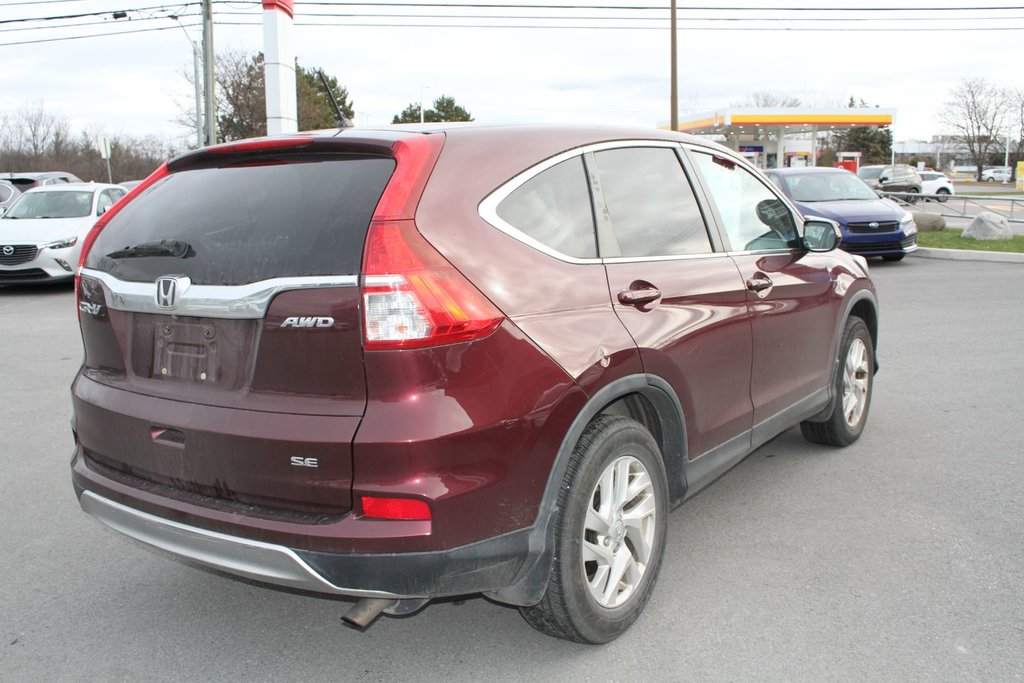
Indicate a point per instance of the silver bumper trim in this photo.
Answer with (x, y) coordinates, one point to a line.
(252, 559)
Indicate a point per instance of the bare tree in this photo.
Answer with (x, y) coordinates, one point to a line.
(34, 131)
(766, 99)
(974, 114)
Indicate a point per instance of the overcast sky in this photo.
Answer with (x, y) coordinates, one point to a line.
(131, 82)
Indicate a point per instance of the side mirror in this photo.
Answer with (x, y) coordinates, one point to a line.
(884, 178)
(821, 235)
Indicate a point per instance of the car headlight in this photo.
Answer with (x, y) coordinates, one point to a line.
(64, 243)
(907, 224)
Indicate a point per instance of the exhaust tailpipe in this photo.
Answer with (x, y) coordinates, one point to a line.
(366, 610)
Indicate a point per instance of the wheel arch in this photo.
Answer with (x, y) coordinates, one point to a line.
(649, 400)
(861, 304)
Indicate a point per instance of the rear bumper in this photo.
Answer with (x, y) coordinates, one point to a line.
(479, 567)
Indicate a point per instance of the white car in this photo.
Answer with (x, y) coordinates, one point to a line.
(41, 233)
(935, 183)
(996, 175)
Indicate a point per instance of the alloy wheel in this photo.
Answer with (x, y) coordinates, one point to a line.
(619, 532)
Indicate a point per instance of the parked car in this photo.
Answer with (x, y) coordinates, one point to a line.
(871, 225)
(8, 193)
(41, 234)
(936, 184)
(997, 175)
(27, 181)
(453, 360)
(892, 178)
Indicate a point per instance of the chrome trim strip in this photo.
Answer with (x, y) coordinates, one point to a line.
(253, 559)
(676, 257)
(384, 280)
(211, 301)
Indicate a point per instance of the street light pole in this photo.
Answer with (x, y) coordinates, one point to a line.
(208, 67)
(674, 96)
(196, 61)
(422, 110)
(1006, 154)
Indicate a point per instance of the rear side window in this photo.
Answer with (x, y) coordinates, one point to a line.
(554, 208)
(650, 203)
(241, 224)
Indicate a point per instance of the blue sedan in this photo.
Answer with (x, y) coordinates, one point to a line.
(871, 225)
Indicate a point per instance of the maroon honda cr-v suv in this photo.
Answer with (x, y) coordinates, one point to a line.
(410, 363)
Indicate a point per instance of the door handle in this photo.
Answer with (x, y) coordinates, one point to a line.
(759, 283)
(639, 297)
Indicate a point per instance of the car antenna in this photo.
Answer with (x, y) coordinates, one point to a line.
(342, 121)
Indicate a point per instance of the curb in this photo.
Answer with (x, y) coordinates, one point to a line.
(969, 255)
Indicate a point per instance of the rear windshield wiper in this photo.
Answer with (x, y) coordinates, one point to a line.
(171, 248)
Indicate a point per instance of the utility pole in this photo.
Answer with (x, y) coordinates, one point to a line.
(208, 66)
(674, 76)
(197, 60)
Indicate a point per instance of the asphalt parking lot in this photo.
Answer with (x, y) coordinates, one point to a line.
(900, 558)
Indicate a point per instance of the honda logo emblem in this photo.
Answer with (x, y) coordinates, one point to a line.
(169, 289)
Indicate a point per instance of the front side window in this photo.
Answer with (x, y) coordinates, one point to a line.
(753, 217)
(553, 208)
(650, 203)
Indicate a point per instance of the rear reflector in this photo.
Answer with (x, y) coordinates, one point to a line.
(413, 297)
(395, 508)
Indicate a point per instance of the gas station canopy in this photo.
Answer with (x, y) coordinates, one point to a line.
(792, 131)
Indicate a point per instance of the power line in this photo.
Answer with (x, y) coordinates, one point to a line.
(92, 23)
(98, 35)
(405, 15)
(659, 8)
(97, 14)
(37, 2)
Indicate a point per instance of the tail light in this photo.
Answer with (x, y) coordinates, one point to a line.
(412, 296)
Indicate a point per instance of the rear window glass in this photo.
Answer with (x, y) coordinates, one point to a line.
(554, 208)
(246, 223)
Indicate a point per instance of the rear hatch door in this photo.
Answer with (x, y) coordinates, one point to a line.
(220, 315)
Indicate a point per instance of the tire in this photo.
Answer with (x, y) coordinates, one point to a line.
(990, 179)
(852, 385)
(943, 194)
(593, 536)
(910, 198)
(893, 257)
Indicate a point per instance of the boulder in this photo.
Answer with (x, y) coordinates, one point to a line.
(988, 226)
(929, 222)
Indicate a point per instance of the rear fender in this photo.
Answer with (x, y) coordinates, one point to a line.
(668, 429)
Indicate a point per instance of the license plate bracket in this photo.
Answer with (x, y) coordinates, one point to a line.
(186, 351)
